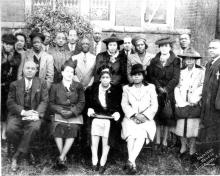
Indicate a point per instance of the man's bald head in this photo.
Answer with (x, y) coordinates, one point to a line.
(30, 69)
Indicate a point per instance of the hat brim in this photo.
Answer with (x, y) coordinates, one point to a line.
(41, 36)
(113, 39)
(163, 42)
(188, 56)
(134, 72)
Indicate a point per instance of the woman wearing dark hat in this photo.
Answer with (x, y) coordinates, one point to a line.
(112, 58)
(41, 58)
(140, 57)
(104, 99)
(10, 64)
(139, 103)
(164, 73)
(188, 94)
(66, 102)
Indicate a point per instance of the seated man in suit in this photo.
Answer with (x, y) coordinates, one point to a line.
(27, 103)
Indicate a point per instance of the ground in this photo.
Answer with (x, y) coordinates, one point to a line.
(149, 163)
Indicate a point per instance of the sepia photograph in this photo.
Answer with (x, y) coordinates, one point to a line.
(110, 87)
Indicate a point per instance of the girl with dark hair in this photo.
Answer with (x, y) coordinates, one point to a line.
(139, 103)
(104, 111)
(66, 102)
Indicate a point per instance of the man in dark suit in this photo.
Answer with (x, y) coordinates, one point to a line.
(126, 51)
(27, 102)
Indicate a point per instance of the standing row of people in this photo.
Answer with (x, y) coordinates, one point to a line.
(102, 78)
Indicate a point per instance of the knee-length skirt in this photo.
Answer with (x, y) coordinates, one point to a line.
(192, 127)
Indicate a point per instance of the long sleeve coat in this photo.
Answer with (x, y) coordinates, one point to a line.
(166, 77)
(210, 116)
(113, 100)
(75, 102)
(39, 97)
(143, 101)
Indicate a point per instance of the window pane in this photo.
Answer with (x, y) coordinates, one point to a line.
(156, 11)
(100, 10)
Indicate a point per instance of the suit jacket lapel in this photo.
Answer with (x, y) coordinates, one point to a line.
(20, 92)
(34, 89)
(42, 65)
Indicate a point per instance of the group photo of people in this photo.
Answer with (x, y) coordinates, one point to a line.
(106, 97)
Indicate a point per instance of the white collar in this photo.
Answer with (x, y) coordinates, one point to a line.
(28, 82)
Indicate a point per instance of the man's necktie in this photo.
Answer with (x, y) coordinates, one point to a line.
(95, 48)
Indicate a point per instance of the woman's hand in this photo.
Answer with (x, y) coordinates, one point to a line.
(66, 114)
(90, 112)
(141, 117)
(116, 116)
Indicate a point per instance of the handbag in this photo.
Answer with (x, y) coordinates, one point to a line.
(167, 111)
(188, 112)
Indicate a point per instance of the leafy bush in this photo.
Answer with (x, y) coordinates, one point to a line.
(58, 19)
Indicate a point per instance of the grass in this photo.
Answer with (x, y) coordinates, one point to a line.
(148, 162)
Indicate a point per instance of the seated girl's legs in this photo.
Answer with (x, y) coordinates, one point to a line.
(138, 144)
(59, 142)
(158, 134)
(3, 130)
(105, 151)
(165, 135)
(192, 145)
(183, 144)
(94, 149)
(66, 148)
(130, 145)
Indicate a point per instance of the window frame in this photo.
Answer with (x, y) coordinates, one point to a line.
(169, 17)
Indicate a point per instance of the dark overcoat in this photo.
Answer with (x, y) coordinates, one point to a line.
(9, 71)
(119, 74)
(209, 133)
(166, 77)
(113, 102)
(39, 97)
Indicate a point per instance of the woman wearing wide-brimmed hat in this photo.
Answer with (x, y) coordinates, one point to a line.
(139, 103)
(188, 94)
(141, 56)
(113, 59)
(164, 72)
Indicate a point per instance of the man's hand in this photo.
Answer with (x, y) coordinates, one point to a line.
(66, 114)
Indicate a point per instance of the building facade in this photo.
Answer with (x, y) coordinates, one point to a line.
(153, 18)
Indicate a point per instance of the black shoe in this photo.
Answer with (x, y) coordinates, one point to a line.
(102, 169)
(60, 165)
(164, 149)
(14, 165)
(95, 168)
(183, 155)
(31, 159)
(128, 167)
(193, 159)
(133, 171)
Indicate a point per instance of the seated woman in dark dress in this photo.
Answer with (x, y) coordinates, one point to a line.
(104, 100)
(66, 102)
